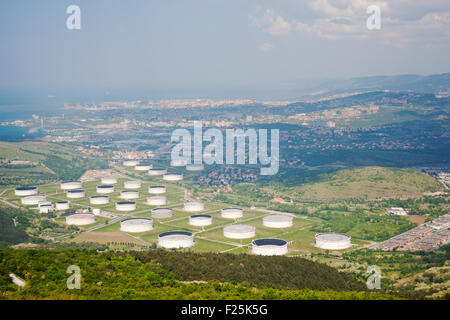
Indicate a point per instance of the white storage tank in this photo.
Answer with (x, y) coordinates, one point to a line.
(71, 185)
(136, 225)
(332, 241)
(32, 200)
(162, 213)
(173, 177)
(269, 247)
(104, 189)
(62, 205)
(157, 171)
(195, 167)
(75, 194)
(80, 219)
(26, 191)
(99, 200)
(178, 163)
(129, 194)
(200, 220)
(125, 206)
(194, 206)
(130, 163)
(239, 231)
(143, 167)
(176, 239)
(278, 221)
(157, 201)
(156, 189)
(109, 180)
(132, 184)
(232, 213)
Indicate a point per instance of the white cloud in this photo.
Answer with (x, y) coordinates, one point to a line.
(403, 22)
(272, 23)
(266, 47)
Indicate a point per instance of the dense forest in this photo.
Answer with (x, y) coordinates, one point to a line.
(257, 271)
(9, 233)
(112, 276)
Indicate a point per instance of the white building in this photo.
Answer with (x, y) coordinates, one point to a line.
(397, 211)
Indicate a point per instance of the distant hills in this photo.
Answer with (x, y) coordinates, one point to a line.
(436, 83)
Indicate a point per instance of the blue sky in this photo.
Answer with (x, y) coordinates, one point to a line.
(226, 44)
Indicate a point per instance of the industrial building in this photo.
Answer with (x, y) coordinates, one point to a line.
(157, 201)
(32, 200)
(129, 194)
(132, 184)
(239, 231)
(136, 225)
(176, 239)
(46, 208)
(104, 189)
(194, 206)
(156, 189)
(71, 185)
(162, 213)
(44, 203)
(108, 180)
(125, 206)
(26, 191)
(80, 219)
(75, 194)
(277, 221)
(269, 247)
(62, 205)
(173, 177)
(200, 220)
(332, 241)
(99, 200)
(157, 172)
(232, 213)
(398, 211)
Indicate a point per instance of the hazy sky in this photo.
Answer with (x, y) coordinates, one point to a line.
(217, 43)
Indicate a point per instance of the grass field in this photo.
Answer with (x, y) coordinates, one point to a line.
(365, 182)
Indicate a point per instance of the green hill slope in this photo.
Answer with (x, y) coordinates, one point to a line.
(369, 183)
